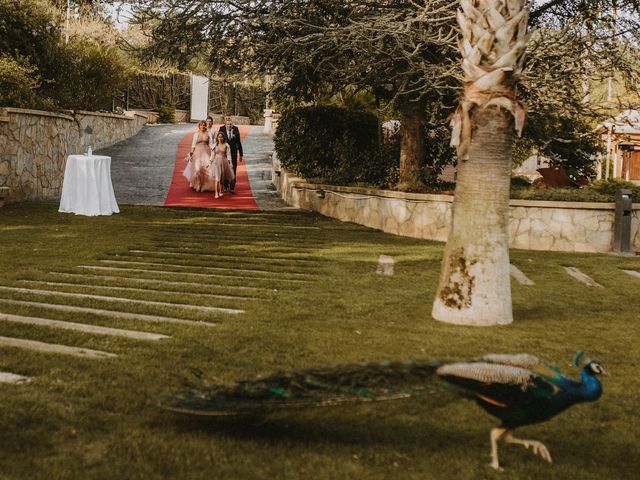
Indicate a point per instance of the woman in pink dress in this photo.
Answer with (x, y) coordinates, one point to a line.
(221, 169)
(198, 170)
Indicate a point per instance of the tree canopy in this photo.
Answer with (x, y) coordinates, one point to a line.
(39, 69)
(403, 50)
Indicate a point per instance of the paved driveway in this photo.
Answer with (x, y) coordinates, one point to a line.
(142, 166)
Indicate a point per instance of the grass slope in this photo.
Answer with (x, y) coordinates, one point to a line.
(99, 419)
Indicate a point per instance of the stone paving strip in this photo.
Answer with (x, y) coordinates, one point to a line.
(82, 327)
(235, 264)
(189, 274)
(214, 223)
(302, 263)
(581, 277)
(298, 241)
(107, 313)
(6, 377)
(184, 306)
(145, 281)
(265, 246)
(199, 267)
(276, 226)
(633, 273)
(143, 290)
(53, 348)
(520, 277)
(242, 252)
(208, 235)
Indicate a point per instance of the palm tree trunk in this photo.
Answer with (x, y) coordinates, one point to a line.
(411, 146)
(474, 287)
(475, 283)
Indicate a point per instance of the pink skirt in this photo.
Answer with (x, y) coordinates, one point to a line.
(198, 171)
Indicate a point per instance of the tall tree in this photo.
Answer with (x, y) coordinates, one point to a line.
(474, 286)
(401, 50)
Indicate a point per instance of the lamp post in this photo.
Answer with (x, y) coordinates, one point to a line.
(626, 148)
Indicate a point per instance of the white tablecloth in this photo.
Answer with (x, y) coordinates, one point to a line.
(87, 188)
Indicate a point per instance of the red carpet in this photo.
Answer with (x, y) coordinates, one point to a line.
(180, 195)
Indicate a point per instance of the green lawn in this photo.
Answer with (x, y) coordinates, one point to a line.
(99, 418)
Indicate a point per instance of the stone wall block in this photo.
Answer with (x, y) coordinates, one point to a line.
(591, 222)
(602, 241)
(390, 225)
(573, 232)
(36, 144)
(517, 212)
(513, 229)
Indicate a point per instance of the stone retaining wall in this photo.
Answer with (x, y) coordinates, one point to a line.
(35, 144)
(534, 225)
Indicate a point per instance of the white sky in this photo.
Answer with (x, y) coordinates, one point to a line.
(120, 13)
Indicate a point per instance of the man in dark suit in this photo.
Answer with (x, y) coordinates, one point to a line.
(232, 136)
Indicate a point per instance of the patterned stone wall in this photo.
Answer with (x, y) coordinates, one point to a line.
(34, 146)
(534, 225)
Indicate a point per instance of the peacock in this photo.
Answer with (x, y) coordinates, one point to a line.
(518, 389)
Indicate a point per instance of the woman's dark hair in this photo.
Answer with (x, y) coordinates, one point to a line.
(208, 118)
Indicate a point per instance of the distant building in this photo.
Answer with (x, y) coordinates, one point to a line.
(529, 168)
(621, 136)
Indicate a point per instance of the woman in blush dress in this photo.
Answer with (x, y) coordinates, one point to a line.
(198, 170)
(221, 169)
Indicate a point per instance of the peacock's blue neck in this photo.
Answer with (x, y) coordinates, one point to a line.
(591, 388)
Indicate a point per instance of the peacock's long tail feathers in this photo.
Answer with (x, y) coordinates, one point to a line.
(306, 388)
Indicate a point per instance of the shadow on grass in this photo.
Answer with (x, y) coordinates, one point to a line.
(351, 426)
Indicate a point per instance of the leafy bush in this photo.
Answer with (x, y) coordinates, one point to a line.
(332, 145)
(437, 152)
(599, 191)
(30, 29)
(18, 82)
(167, 112)
(520, 182)
(611, 186)
(569, 142)
(83, 74)
(559, 194)
(89, 74)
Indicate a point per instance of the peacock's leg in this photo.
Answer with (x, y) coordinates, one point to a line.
(538, 447)
(496, 434)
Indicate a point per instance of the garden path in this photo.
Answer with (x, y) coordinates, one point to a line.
(142, 167)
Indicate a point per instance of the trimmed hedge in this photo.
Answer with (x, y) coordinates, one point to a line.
(332, 145)
(598, 191)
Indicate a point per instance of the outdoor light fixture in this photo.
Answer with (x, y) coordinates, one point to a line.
(320, 193)
(626, 148)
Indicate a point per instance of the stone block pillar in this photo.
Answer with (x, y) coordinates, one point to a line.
(268, 117)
